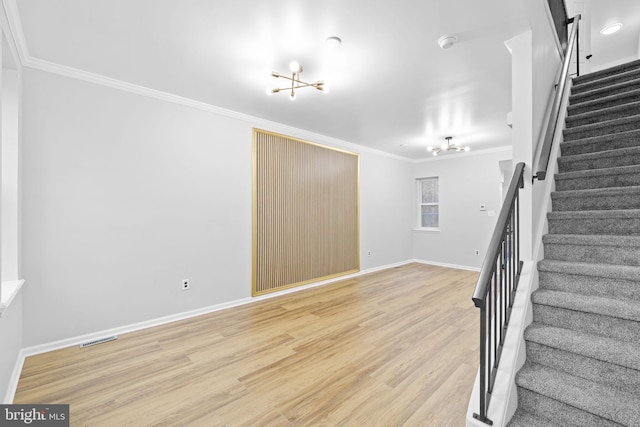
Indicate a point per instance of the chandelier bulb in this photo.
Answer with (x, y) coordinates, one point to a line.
(467, 148)
(292, 96)
(429, 148)
(295, 67)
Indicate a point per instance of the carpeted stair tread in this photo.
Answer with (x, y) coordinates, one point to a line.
(523, 418)
(609, 222)
(621, 353)
(620, 176)
(625, 272)
(622, 124)
(597, 399)
(602, 115)
(615, 214)
(591, 270)
(600, 74)
(608, 80)
(601, 143)
(592, 240)
(600, 160)
(604, 102)
(614, 89)
(591, 357)
(597, 198)
(588, 304)
(593, 249)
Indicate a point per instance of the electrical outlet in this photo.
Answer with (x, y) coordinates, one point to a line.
(477, 252)
(185, 285)
(369, 252)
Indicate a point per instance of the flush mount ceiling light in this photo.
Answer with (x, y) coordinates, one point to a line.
(610, 29)
(447, 146)
(296, 83)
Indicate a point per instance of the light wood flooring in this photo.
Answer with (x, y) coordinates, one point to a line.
(392, 348)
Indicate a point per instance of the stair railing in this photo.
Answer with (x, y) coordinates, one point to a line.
(496, 287)
(552, 121)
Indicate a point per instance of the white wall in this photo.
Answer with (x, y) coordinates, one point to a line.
(125, 195)
(386, 215)
(10, 162)
(11, 318)
(466, 181)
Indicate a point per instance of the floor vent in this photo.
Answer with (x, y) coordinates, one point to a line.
(99, 341)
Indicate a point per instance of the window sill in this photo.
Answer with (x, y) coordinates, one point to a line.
(429, 230)
(9, 291)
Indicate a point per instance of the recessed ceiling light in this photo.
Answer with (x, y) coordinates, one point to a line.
(610, 29)
(404, 145)
(333, 42)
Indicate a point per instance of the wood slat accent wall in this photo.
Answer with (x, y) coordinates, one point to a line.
(305, 212)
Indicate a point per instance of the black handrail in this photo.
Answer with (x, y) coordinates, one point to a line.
(496, 287)
(545, 154)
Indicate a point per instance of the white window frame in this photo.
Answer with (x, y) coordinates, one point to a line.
(419, 203)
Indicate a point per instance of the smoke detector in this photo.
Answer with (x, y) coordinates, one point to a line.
(447, 42)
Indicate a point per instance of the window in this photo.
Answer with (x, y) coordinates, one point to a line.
(428, 203)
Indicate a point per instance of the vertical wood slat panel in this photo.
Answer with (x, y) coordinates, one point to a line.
(306, 208)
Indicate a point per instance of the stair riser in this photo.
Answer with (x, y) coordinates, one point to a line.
(620, 289)
(603, 181)
(597, 226)
(605, 82)
(626, 330)
(593, 203)
(558, 412)
(573, 134)
(603, 116)
(571, 165)
(597, 94)
(602, 103)
(615, 376)
(603, 143)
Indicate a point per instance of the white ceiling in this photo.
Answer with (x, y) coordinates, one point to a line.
(623, 45)
(390, 83)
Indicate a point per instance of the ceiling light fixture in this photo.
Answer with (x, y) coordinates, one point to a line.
(447, 146)
(610, 29)
(296, 83)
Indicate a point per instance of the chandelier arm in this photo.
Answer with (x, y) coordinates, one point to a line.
(302, 83)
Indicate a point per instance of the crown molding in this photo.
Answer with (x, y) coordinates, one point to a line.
(74, 73)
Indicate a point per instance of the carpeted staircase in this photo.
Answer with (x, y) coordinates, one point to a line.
(583, 347)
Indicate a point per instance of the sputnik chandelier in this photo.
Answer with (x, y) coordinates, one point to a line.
(296, 83)
(447, 146)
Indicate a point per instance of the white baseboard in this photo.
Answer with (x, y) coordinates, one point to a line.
(443, 264)
(77, 340)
